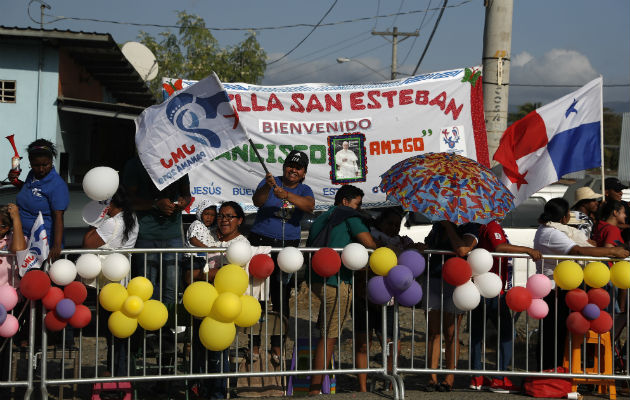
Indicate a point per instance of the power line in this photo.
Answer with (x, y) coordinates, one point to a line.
(262, 28)
(564, 86)
(413, 44)
(426, 47)
(305, 37)
(402, 2)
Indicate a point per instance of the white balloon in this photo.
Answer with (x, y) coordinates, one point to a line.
(354, 256)
(466, 297)
(115, 267)
(239, 253)
(88, 266)
(480, 261)
(62, 272)
(489, 284)
(290, 259)
(100, 183)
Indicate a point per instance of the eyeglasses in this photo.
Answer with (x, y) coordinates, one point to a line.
(226, 216)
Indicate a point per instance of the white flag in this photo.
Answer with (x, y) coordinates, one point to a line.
(192, 127)
(37, 252)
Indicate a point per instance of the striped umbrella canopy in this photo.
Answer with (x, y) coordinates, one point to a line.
(447, 186)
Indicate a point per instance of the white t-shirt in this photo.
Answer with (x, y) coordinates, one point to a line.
(549, 240)
(112, 229)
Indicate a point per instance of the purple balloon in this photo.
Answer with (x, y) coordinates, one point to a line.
(411, 296)
(377, 291)
(591, 311)
(65, 308)
(399, 279)
(412, 260)
(3, 314)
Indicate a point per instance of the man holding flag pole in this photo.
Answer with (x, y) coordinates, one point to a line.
(561, 137)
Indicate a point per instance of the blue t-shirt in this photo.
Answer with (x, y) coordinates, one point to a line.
(268, 220)
(46, 195)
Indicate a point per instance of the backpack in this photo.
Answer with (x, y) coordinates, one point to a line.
(337, 216)
(548, 387)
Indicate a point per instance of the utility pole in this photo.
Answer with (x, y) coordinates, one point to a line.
(497, 46)
(395, 41)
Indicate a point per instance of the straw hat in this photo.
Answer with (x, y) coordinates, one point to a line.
(586, 193)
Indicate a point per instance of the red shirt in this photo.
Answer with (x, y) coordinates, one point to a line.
(490, 236)
(607, 234)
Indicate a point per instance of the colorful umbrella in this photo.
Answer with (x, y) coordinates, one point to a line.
(446, 186)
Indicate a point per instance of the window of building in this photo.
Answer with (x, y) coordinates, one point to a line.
(7, 91)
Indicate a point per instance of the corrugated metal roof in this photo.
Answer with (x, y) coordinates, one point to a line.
(99, 54)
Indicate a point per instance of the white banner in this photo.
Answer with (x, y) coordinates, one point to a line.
(351, 133)
(37, 251)
(188, 129)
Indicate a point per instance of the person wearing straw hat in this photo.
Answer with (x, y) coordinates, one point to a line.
(584, 209)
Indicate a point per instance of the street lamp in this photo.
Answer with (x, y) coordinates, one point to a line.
(342, 60)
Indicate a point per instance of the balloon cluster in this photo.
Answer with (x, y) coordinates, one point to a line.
(395, 277)
(568, 275)
(472, 279)
(89, 266)
(225, 305)
(131, 306)
(588, 311)
(65, 306)
(8, 299)
(530, 297)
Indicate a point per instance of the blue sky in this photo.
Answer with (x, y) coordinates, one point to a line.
(559, 42)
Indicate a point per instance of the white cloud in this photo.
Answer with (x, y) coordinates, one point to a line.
(521, 59)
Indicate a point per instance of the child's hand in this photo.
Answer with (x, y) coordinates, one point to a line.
(14, 211)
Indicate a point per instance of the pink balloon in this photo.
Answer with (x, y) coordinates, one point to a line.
(10, 326)
(539, 286)
(538, 309)
(8, 297)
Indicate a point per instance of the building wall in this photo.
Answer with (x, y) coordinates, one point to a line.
(19, 61)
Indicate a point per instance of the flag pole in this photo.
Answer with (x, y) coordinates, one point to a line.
(601, 132)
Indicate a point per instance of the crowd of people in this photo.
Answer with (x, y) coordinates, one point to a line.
(142, 216)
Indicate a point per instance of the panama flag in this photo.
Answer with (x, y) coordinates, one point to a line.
(192, 127)
(37, 252)
(559, 138)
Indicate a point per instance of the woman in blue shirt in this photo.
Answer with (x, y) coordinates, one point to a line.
(45, 191)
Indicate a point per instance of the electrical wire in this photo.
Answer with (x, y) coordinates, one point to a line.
(426, 47)
(378, 9)
(402, 2)
(305, 37)
(564, 86)
(348, 21)
(415, 38)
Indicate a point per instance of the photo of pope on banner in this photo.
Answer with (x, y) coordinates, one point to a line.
(561, 137)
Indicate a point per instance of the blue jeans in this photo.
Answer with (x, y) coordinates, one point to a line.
(165, 280)
(505, 334)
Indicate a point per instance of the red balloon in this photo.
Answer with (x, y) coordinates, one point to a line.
(602, 324)
(76, 292)
(456, 271)
(261, 266)
(53, 322)
(518, 299)
(35, 284)
(599, 297)
(576, 299)
(577, 324)
(326, 262)
(81, 317)
(52, 298)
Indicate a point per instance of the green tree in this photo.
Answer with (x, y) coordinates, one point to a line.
(523, 110)
(612, 138)
(193, 53)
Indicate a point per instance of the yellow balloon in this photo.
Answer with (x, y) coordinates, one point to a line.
(216, 335)
(620, 274)
(141, 287)
(112, 296)
(198, 298)
(596, 274)
(250, 313)
(121, 325)
(226, 307)
(382, 260)
(568, 275)
(132, 306)
(231, 278)
(153, 316)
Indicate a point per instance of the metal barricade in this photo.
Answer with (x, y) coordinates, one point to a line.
(173, 362)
